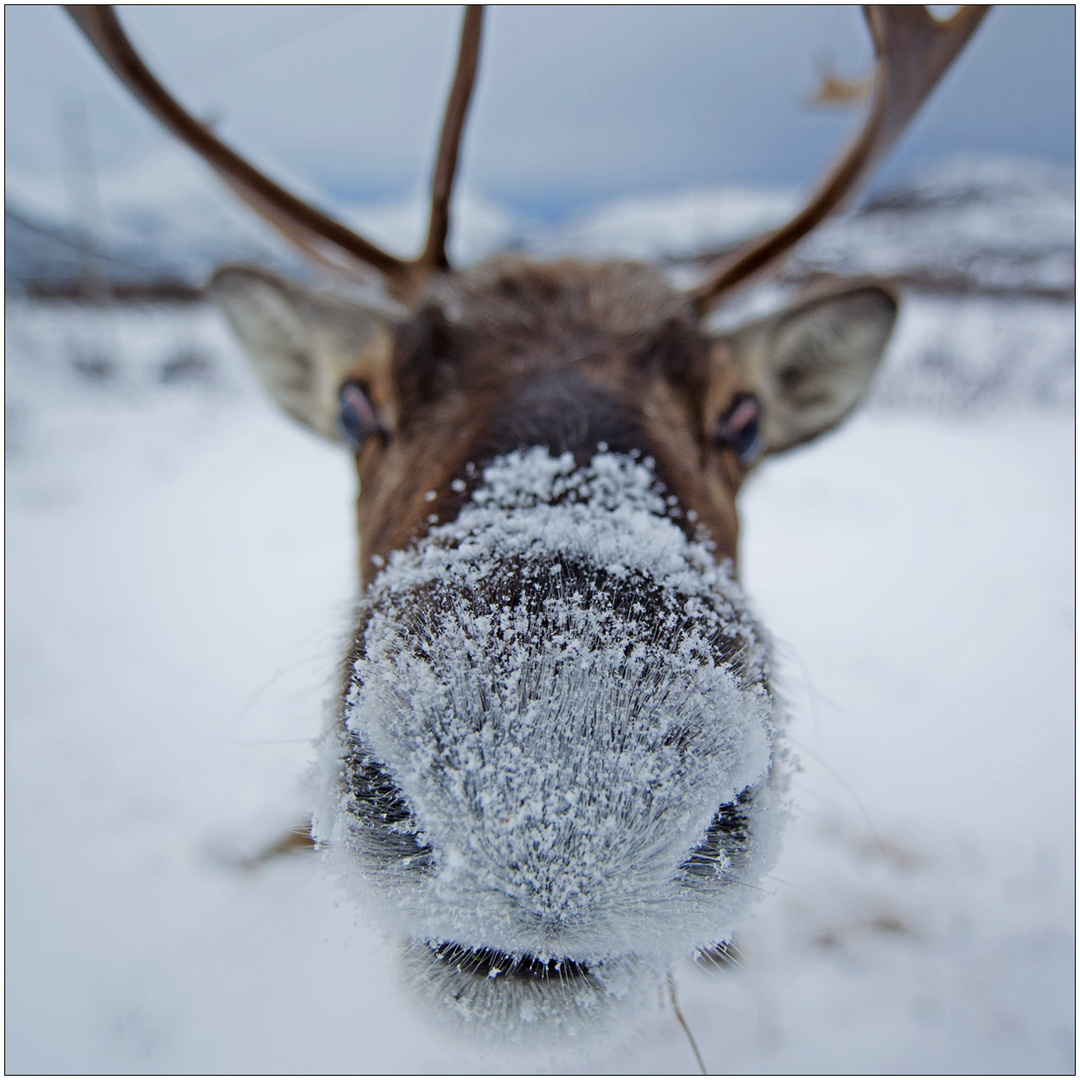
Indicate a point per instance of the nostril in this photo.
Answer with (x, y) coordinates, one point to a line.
(726, 842)
(493, 964)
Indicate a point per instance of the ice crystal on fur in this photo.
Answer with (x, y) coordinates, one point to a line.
(555, 753)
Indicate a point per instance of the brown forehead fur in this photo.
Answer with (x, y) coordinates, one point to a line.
(511, 295)
(616, 328)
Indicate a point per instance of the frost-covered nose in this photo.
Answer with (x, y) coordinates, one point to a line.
(558, 734)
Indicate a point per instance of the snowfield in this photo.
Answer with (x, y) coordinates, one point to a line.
(180, 569)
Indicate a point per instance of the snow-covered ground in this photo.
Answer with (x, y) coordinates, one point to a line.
(179, 581)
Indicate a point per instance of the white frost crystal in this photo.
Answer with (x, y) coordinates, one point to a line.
(558, 692)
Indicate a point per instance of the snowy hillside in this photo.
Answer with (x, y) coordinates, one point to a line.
(169, 215)
(967, 230)
(967, 225)
(165, 216)
(672, 226)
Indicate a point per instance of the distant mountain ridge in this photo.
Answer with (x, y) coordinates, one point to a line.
(967, 225)
(964, 226)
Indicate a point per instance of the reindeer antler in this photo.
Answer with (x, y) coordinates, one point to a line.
(457, 106)
(913, 51)
(317, 235)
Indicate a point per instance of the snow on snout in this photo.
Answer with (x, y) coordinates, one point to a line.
(561, 690)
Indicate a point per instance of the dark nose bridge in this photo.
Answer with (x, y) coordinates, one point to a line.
(564, 411)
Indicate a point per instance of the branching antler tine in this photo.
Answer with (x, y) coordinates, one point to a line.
(457, 107)
(913, 51)
(318, 235)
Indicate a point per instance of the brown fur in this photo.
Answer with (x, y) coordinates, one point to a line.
(480, 340)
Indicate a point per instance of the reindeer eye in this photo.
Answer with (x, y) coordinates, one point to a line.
(740, 428)
(357, 420)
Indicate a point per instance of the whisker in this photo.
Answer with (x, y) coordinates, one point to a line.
(685, 1026)
(847, 787)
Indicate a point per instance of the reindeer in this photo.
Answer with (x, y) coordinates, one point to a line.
(556, 762)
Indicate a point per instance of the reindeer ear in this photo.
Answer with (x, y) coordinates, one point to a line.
(305, 345)
(812, 363)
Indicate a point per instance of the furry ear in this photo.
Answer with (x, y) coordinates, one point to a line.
(305, 344)
(812, 363)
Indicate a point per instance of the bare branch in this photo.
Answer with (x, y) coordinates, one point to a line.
(832, 90)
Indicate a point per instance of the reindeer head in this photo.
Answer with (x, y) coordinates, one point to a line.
(556, 761)
(557, 738)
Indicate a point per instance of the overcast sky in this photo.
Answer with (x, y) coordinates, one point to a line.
(572, 103)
